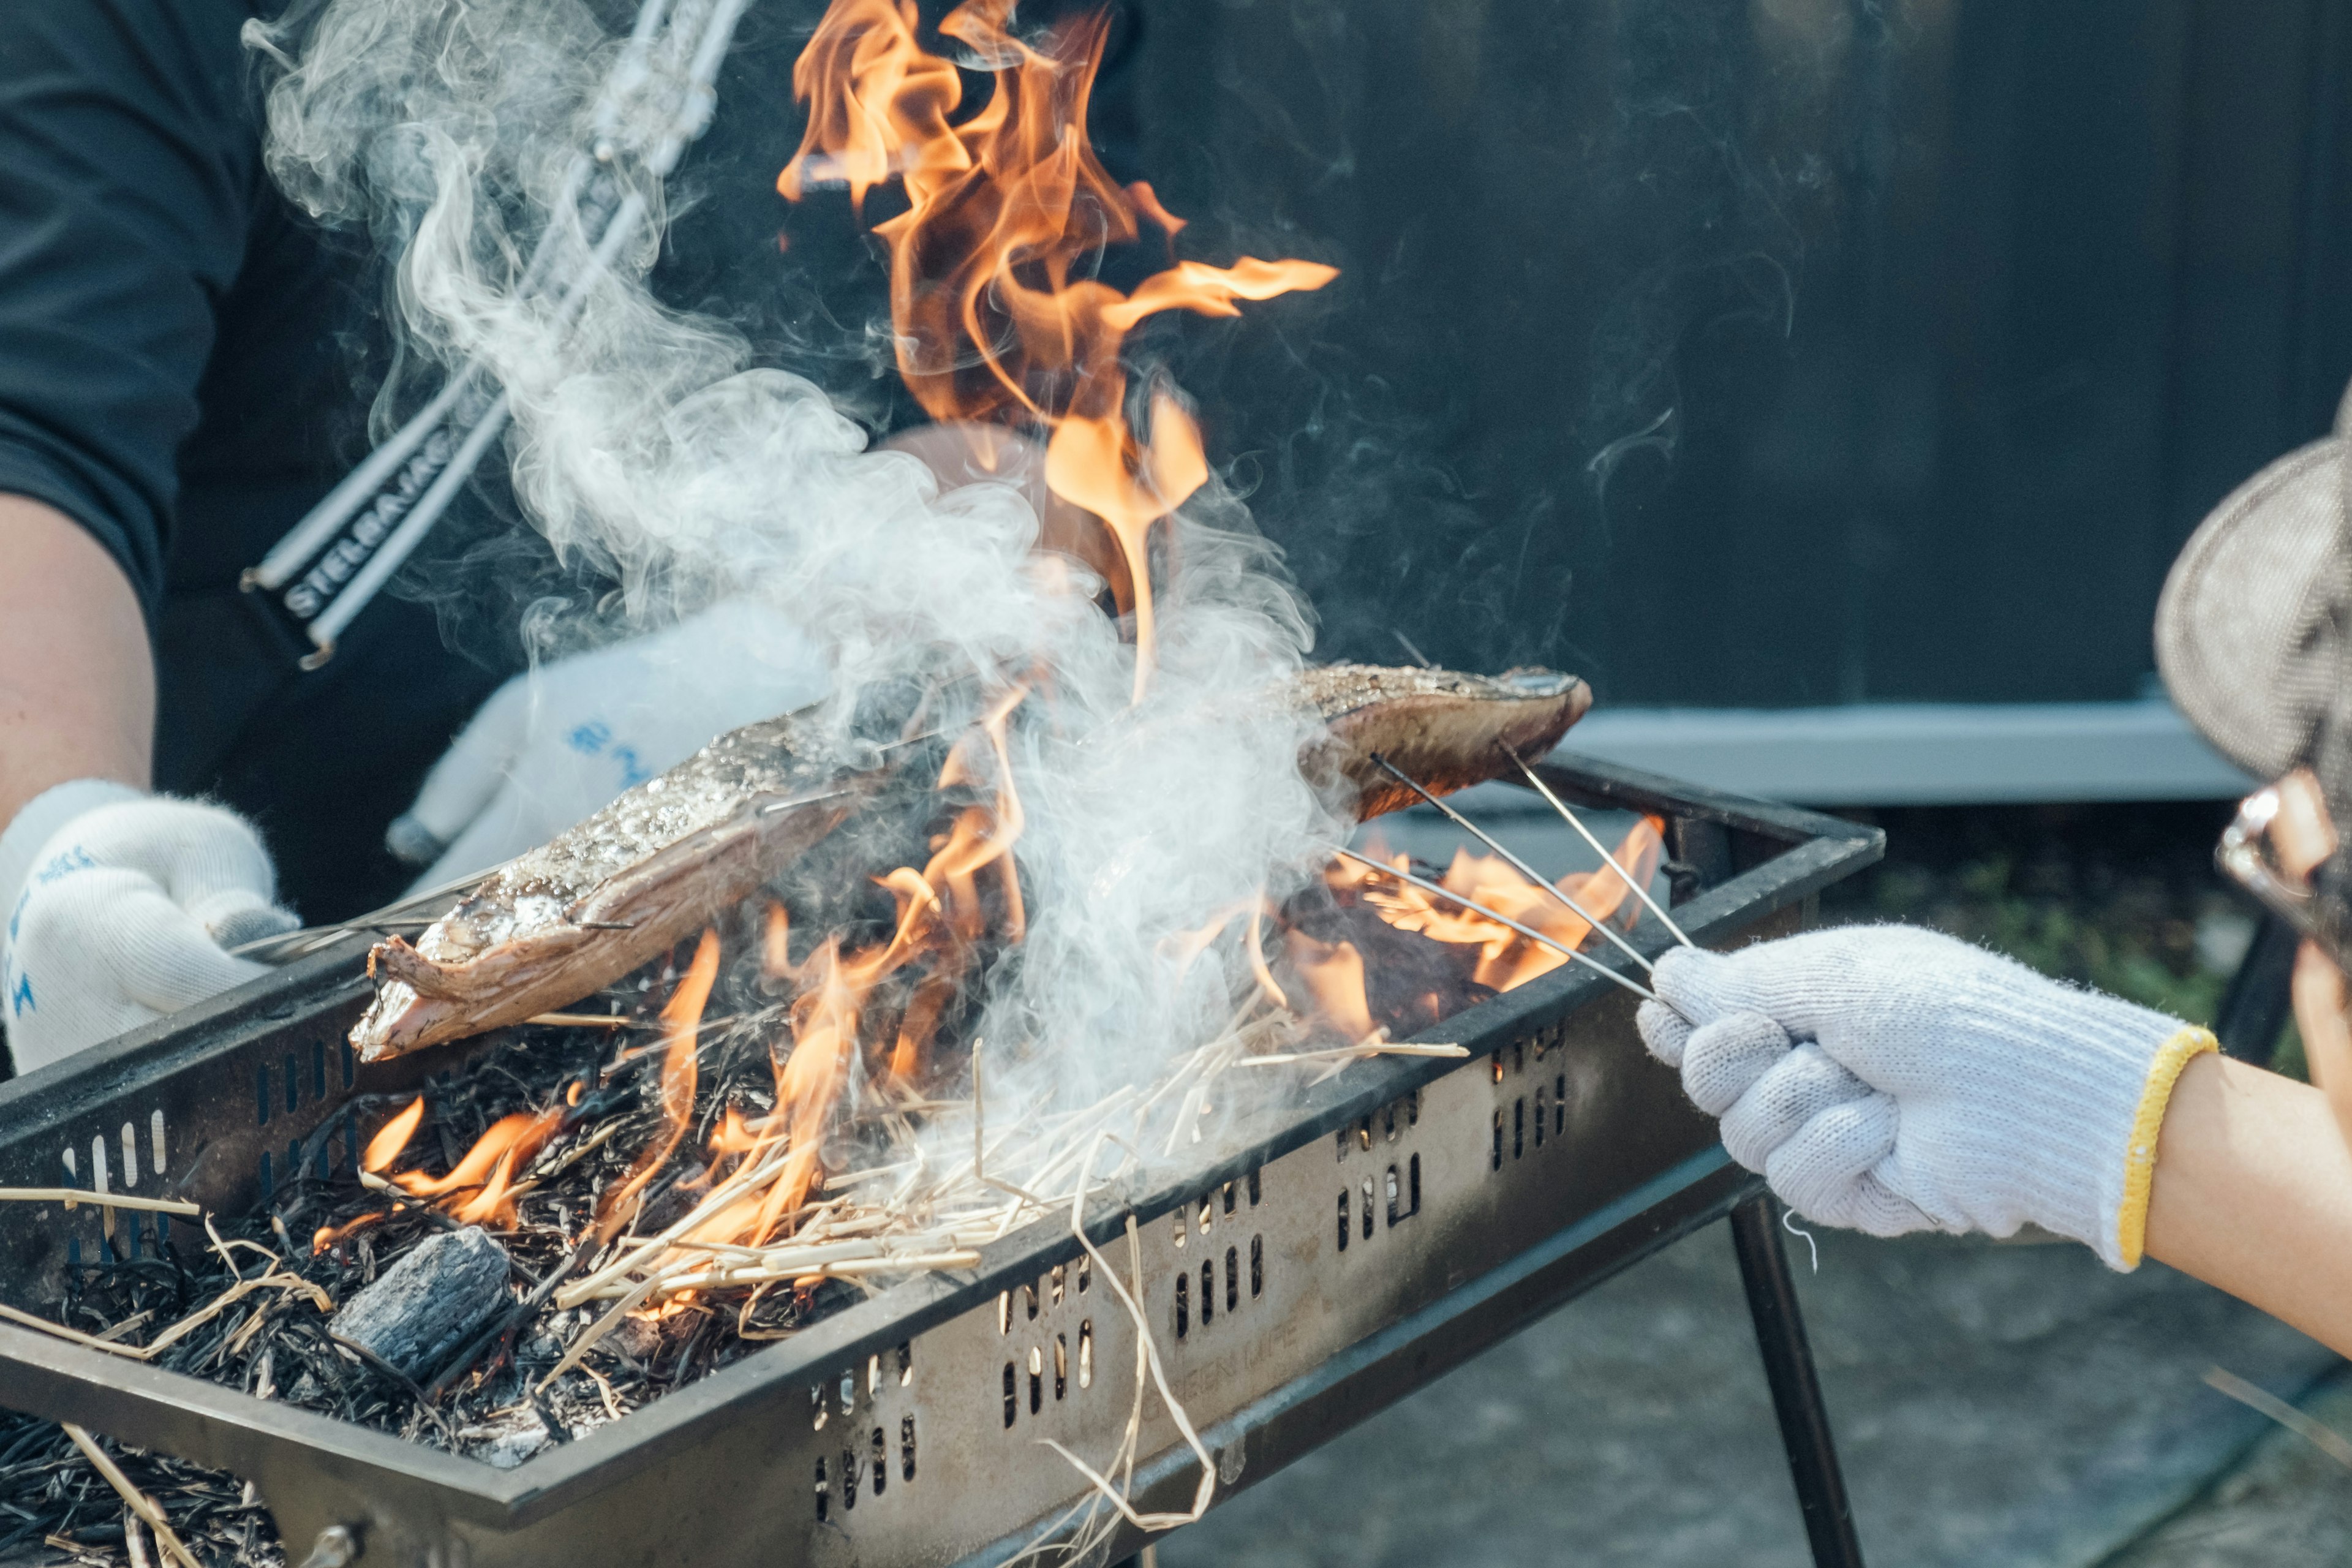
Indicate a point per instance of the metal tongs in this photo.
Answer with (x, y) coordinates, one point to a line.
(658, 99)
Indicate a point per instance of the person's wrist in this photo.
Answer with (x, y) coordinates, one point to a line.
(38, 821)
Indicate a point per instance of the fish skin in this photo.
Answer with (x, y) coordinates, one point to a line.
(660, 859)
(1439, 727)
(665, 856)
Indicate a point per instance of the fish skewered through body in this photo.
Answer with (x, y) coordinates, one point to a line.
(608, 894)
(649, 869)
(1443, 729)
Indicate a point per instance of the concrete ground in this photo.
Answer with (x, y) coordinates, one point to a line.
(2286, 1502)
(2011, 1405)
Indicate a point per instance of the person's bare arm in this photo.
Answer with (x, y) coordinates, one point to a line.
(2253, 1194)
(76, 677)
(2253, 1173)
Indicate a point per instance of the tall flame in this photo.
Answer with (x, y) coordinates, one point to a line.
(1005, 209)
(681, 1018)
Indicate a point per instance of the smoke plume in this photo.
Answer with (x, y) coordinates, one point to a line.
(647, 445)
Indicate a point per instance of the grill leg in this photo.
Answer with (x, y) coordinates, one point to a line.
(1796, 1391)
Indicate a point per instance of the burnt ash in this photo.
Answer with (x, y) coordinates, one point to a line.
(53, 1501)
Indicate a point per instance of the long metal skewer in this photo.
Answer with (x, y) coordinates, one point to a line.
(1576, 822)
(1521, 866)
(1426, 886)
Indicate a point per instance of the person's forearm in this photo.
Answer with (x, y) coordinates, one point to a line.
(76, 677)
(2253, 1194)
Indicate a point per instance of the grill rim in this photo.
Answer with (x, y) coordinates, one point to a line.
(212, 1424)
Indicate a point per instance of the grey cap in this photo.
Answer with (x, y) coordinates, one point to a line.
(2250, 630)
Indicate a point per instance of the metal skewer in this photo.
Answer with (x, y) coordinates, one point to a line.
(1426, 886)
(1578, 823)
(1521, 866)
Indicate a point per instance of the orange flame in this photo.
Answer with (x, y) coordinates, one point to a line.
(776, 945)
(392, 1138)
(1333, 973)
(326, 1235)
(824, 1039)
(941, 919)
(1003, 209)
(479, 1189)
(1506, 960)
(681, 1018)
(733, 1135)
(520, 1133)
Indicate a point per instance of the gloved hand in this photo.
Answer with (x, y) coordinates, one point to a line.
(1889, 1079)
(552, 745)
(121, 906)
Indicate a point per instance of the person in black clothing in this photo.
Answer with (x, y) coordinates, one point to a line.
(185, 368)
(186, 362)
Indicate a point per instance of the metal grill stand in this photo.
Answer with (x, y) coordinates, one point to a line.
(1354, 1241)
(1796, 1390)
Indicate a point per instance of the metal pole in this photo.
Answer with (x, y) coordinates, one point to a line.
(1796, 1391)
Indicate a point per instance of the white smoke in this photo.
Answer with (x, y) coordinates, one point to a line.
(645, 442)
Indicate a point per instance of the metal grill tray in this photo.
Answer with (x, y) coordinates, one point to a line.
(1356, 1242)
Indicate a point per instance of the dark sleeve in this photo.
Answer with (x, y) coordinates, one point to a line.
(129, 165)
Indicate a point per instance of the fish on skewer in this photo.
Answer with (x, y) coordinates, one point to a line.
(661, 860)
(1439, 727)
(611, 892)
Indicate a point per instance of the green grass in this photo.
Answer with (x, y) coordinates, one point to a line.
(2122, 897)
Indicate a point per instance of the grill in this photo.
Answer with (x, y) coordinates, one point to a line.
(1352, 1245)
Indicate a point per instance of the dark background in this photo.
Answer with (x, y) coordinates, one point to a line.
(1730, 352)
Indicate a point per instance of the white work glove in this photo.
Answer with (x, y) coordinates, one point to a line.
(121, 906)
(1888, 1080)
(552, 745)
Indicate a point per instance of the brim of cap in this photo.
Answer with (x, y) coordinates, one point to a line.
(2222, 624)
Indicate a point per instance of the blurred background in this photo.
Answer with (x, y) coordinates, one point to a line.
(1828, 381)
(1784, 354)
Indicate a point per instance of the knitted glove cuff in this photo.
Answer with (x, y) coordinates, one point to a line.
(2110, 1065)
(2139, 1161)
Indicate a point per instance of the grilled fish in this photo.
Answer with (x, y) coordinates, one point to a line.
(601, 898)
(1438, 727)
(648, 871)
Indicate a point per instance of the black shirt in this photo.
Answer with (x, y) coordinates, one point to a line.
(179, 361)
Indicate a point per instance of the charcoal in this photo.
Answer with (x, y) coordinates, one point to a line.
(422, 1309)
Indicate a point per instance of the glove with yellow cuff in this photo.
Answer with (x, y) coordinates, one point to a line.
(1887, 1080)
